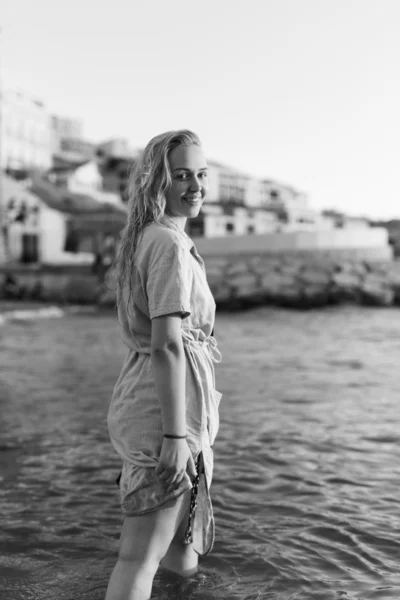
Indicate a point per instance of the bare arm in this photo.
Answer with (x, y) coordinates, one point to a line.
(169, 370)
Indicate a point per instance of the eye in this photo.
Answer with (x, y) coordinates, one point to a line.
(181, 176)
(203, 175)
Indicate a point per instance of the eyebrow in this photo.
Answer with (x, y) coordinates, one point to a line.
(188, 170)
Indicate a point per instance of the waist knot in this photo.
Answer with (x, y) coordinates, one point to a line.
(209, 342)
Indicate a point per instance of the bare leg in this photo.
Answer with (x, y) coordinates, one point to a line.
(181, 558)
(144, 542)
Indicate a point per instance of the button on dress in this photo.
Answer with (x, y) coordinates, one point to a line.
(169, 277)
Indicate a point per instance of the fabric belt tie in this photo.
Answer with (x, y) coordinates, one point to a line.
(210, 343)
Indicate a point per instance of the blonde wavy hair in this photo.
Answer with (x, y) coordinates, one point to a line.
(149, 182)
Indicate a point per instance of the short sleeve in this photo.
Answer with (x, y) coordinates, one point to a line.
(169, 283)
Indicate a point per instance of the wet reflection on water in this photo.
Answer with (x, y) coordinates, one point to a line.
(307, 462)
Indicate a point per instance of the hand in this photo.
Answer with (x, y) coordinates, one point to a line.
(175, 458)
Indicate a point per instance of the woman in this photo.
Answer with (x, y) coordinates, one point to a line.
(163, 416)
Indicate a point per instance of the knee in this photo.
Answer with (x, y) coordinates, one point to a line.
(181, 560)
(139, 562)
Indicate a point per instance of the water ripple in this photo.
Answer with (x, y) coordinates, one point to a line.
(305, 488)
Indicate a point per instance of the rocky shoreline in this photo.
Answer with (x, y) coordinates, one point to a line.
(237, 283)
(297, 283)
(302, 283)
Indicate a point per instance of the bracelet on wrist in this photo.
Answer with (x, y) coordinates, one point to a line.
(174, 437)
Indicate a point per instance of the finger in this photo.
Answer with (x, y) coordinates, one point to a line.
(168, 481)
(177, 479)
(175, 483)
(173, 478)
(191, 467)
(163, 475)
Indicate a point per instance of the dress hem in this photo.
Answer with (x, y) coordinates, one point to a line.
(173, 496)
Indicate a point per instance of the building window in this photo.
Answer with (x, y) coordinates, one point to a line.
(72, 240)
(30, 248)
(22, 214)
(230, 228)
(250, 229)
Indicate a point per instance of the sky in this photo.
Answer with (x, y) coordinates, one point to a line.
(306, 92)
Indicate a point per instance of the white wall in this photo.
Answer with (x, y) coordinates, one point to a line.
(374, 239)
(52, 234)
(118, 147)
(216, 221)
(64, 127)
(214, 226)
(15, 232)
(285, 195)
(85, 179)
(239, 220)
(264, 222)
(213, 183)
(254, 192)
(354, 223)
(26, 135)
(17, 193)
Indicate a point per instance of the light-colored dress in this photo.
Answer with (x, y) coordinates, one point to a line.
(169, 277)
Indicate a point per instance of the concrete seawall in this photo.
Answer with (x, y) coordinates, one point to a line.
(363, 243)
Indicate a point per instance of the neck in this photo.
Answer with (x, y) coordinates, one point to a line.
(181, 222)
(178, 221)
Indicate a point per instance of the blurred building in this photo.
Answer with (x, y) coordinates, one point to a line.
(64, 128)
(83, 178)
(26, 133)
(68, 145)
(115, 158)
(46, 224)
(226, 185)
(219, 220)
(393, 228)
(240, 204)
(353, 222)
(255, 193)
(292, 208)
(78, 147)
(342, 221)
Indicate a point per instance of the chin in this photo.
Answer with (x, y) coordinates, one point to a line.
(193, 213)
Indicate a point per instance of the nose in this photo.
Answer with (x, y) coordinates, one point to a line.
(195, 184)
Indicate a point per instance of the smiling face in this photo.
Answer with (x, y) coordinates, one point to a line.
(189, 185)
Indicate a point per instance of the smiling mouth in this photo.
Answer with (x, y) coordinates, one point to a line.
(192, 198)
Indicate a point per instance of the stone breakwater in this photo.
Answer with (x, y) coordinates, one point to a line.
(238, 282)
(302, 282)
